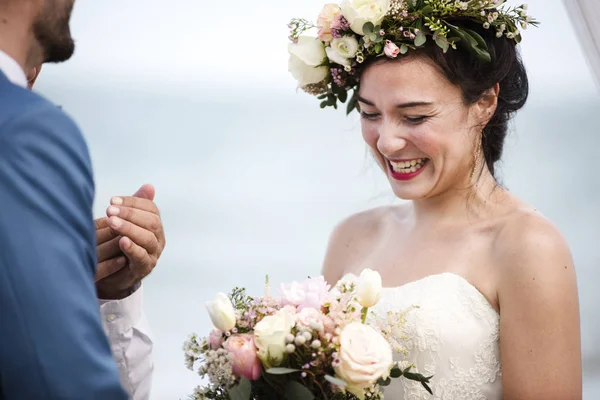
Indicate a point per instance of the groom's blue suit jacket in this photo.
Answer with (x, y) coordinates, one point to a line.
(52, 345)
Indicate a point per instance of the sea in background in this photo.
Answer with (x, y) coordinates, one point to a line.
(251, 182)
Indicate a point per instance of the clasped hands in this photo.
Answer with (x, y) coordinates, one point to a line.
(130, 240)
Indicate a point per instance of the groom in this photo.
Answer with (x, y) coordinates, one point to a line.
(52, 344)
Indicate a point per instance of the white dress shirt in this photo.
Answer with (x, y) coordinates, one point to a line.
(130, 338)
(123, 320)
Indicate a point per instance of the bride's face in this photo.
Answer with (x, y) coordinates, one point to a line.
(418, 127)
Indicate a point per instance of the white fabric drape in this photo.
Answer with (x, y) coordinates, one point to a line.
(585, 16)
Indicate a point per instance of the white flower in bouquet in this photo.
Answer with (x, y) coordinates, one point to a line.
(269, 337)
(305, 57)
(342, 50)
(359, 12)
(221, 312)
(364, 357)
(368, 288)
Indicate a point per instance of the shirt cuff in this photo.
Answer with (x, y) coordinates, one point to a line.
(120, 316)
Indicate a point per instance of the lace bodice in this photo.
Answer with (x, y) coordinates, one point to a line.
(453, 335)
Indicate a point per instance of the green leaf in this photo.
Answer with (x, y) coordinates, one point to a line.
(296, 391)
(342, 96)
(323, 104)
(480, 41)
(441, 42)
(352, 104)
(518, 38)
(420, 39)
(322, 96)
(281, 371)
(378, 47)
(403, 49)
(384, 382)
(427, 10)
(241, 391)
(426, 386)
(335, 381)
(396, 372)
(368, 28)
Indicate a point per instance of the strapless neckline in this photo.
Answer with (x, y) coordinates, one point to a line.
(450, 331)
(442, 275)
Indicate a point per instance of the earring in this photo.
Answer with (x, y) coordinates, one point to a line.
(476, 159)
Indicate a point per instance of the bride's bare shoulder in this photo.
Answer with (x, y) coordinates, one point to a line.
(354, 236)
(530, 248)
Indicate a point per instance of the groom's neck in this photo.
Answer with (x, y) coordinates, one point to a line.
(16, 32)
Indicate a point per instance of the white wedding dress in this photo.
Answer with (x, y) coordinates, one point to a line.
(452, 335)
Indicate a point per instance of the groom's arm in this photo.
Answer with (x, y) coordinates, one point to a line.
(52, 342)
(131, 342)
(139, 240)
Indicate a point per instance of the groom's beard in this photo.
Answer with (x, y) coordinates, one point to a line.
(52, 32)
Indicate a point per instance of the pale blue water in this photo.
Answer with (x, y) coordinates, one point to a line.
(252, 183)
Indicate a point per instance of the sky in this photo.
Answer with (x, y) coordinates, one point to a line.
(227, 45)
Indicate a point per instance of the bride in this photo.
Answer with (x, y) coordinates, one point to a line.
(494, 280)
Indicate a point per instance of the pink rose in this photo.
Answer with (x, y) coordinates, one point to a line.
(245, 359)
(390, 49)
(328, 17)
(313, 293)
(215, 339)
(310, 318)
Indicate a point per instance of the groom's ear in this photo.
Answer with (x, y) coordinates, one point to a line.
(33, 75)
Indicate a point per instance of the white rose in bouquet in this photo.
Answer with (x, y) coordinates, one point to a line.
(269, 337)
(305, 57)
(364, 357)
(359, 12)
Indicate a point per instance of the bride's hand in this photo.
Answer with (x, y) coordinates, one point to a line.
(129, 242)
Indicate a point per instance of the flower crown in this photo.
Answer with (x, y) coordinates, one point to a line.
(327, 65)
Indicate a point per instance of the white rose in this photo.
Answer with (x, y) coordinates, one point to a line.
(342, 50)
(368, 288)
(305, 56)
(269, 337)
(359, 12)
(365, 356)
(221, 312)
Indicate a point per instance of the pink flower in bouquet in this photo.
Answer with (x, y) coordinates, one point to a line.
(390, 49)
(313, 293)
(311, 318)
(326, 21)
(245, 362)
(215, 339)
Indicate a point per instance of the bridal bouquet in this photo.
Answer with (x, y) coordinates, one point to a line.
(310, 342)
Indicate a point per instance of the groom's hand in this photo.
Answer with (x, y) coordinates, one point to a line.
(130, 241)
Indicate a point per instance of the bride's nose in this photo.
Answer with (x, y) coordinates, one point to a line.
(391, 139)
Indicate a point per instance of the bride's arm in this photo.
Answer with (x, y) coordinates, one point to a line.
(540, 344)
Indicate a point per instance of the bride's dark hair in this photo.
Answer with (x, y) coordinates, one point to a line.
(475, 77)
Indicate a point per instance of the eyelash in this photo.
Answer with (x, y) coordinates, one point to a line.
(412, 121)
